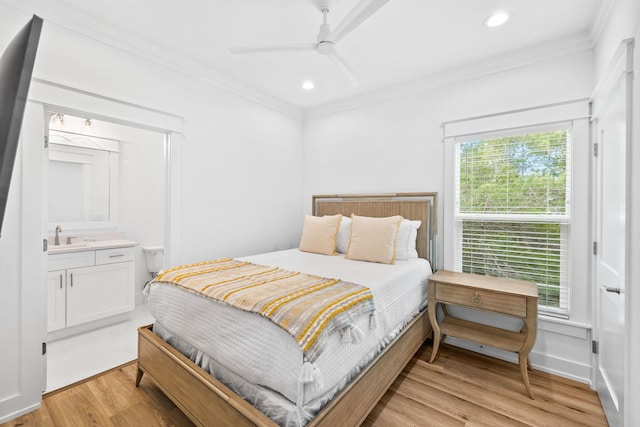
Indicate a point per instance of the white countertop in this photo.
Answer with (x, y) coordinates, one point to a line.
(90, 246)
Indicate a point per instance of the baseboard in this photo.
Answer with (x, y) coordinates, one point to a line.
(20, 413)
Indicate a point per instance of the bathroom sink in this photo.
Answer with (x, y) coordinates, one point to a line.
(75, 245)
(68, 247)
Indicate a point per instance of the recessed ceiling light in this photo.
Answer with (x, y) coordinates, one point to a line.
(496, 19)
(308, 85)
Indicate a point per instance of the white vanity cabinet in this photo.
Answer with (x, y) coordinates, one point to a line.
(89, 285)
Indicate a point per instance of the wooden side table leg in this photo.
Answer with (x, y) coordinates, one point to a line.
(524, 363)
(139, 376)
(436, 329)
(436, 345)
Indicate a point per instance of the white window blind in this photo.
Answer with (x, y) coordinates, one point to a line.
(513, 210)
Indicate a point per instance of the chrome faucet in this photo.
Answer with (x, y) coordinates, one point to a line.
(57, 239)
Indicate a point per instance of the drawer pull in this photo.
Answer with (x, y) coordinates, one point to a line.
(476, 300)
(116, 256)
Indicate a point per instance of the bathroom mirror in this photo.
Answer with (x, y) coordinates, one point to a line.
(83, 181)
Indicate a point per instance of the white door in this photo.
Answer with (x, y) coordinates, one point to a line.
(611, 132)
(22, 274)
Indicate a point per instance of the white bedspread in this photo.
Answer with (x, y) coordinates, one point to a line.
(264, 354)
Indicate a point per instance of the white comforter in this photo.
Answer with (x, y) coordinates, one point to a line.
(262, 353)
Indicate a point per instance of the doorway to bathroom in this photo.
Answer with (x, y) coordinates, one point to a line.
(105, 187)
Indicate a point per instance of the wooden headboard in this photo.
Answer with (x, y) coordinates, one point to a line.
(415, 206)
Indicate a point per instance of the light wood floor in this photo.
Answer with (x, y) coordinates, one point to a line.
(460, 389)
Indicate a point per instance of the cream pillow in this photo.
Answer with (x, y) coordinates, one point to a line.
(373, 239)
(319, 234)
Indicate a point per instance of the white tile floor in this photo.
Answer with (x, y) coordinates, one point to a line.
(78, 357)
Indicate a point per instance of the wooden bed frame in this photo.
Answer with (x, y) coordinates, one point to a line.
(206, 401)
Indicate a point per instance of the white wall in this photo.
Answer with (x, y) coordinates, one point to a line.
(227, 140)
(624, 22)
(396, 146)
(143, 190)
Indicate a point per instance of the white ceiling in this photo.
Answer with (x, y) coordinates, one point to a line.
(406, 40)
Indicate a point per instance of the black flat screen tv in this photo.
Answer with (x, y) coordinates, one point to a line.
(16, 67)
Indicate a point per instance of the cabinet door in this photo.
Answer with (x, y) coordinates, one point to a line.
(99, 291)
(56, 296)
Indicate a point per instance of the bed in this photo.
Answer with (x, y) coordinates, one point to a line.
(350, 380)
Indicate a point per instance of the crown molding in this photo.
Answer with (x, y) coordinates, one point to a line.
(606, 6)
(69, 19)
(525, 57)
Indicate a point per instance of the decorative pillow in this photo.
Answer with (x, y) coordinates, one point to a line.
(373, 239)
(319, 234)
(344, 234)
(406, 240)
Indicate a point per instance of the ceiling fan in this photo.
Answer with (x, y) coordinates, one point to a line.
(327, 39)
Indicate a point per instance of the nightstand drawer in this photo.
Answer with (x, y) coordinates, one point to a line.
(515, 305)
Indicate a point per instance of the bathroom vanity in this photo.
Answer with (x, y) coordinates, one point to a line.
(89, 281)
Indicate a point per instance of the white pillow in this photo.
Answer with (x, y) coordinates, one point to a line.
(344, 234)
(406, 239)
(319, 234)
(373, 239)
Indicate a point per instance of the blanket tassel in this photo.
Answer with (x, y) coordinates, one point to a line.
(310, 374)
(352, 334)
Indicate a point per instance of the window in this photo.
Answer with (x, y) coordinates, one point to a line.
(512, 211)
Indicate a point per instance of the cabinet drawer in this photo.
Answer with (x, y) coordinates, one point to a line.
(109, 256)
(515, 305)
(70, 260)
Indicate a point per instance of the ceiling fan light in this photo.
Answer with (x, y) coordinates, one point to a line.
(308, 85)
(325, 47)
(497, 19)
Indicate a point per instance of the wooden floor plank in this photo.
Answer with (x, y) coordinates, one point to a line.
(460, 388)
(455, 406)
(146, 414)
(394, 410)
(116, 392)
(77, 407)
(564, 401)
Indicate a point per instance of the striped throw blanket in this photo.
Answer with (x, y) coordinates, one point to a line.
(308, 307)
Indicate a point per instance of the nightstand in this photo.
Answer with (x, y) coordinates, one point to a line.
(508, 297)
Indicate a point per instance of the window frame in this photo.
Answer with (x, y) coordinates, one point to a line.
(563, 220)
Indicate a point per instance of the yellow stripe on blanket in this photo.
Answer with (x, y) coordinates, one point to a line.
(308, 307)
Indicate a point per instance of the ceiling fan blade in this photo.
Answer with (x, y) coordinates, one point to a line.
(347, 69)
(360, 13)
(300, 47)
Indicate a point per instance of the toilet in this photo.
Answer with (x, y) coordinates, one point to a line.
(154, 257)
